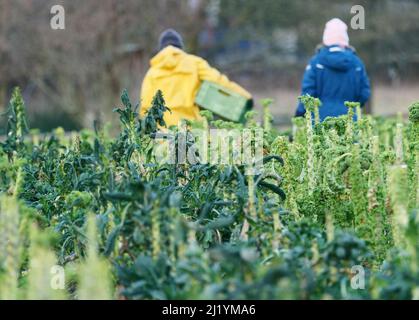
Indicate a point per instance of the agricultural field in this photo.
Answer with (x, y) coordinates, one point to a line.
(330, 213)
(386, 100)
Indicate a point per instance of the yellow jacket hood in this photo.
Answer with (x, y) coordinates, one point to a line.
(170, 59)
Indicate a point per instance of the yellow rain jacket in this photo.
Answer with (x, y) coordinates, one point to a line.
(179, 75)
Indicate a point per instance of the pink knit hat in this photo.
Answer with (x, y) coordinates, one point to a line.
(336, 33)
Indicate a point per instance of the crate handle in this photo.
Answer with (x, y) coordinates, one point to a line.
(223, 92)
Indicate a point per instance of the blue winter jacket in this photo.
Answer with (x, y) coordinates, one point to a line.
(335, 75)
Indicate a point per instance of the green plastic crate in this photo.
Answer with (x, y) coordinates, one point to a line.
(221, 101)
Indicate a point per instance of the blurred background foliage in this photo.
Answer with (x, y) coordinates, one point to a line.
(74, 76)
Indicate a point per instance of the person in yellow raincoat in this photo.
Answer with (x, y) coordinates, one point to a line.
(179, 75)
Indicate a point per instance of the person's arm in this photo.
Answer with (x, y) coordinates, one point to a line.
(365, 91)
(308, 87)
(206, 72)
(146, 94)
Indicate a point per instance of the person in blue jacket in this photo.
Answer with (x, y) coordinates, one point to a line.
(335, 74)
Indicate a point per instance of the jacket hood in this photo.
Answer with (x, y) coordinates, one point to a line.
(336, 57)
(167, 59)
